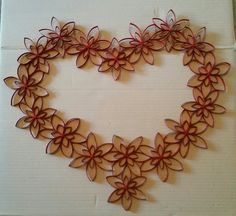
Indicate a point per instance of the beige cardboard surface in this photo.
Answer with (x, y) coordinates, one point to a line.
(33, 183)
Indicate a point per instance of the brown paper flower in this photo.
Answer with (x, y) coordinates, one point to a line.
(186, 133)
(88, 47)
(62, 136)
(92, 156)
(115, 59)
(161, 158)
(126, 189)
(170, 29)
(142, 44)
(59, 35)
(209, 74)
(126, 158)
(26, 86)
(204, 106)
(36, 118)
(194, 46)
(38, 54)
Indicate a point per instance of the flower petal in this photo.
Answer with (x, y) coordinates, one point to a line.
(218, 109)
(147, 166)
(52, 148)
(91, 141)
(163, 173)
(171, 124)
(194, 66)
(81, 59)
(184, 149)
(91, 171)
(117, 141)
(115, 196)
(12, 82)
(23, 123)
(117, 169)
(148, 57)
(223, 67)
(77, 162)
(126, 202)
(136, 143)
(73, 124)
(24, 58)
(175, 165)
(171, 138)
(116, 73)
(34, 130)
(105, 148)
(188, 106)
(194, 81)
(16, 98)
(104, 66)
(40, 91)
(139, 181)
(200, 142)
(56, 121)
(127, 66)
(94, 33)
(67, 151)
(112, 180)
(46, 133)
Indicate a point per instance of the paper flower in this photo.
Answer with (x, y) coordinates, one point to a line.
(186, 133)
(88, 47)
(38, 53)
(142, 44)
(36, 118)
(92, 156)
(161, 158)
(204, 106)
(59, 35)
(194, 46)
(169, 30)
(25, 86)
(126, 158)
(63, 136)
(115, 60)
(209, 73)
(126, 189)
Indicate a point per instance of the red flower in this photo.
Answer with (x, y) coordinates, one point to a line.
(204, 106)
(38, 53)
(126, 189)
(91, 156)
(141, 44)
(36, 118)
(115, 60)
(88, 47)
(170, 29)
(161, 158)
(194, 46)
(126, 158)
(209, 73)
(59, 35)
(186, 133)
(25, 86)
(63, 136)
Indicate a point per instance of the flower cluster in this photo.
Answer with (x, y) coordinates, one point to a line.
(127, 162)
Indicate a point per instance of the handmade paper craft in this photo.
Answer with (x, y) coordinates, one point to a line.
(127, 162)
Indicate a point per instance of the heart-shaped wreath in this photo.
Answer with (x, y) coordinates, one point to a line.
(127, 162)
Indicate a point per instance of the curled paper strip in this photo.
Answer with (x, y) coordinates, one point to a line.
(127, 162)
